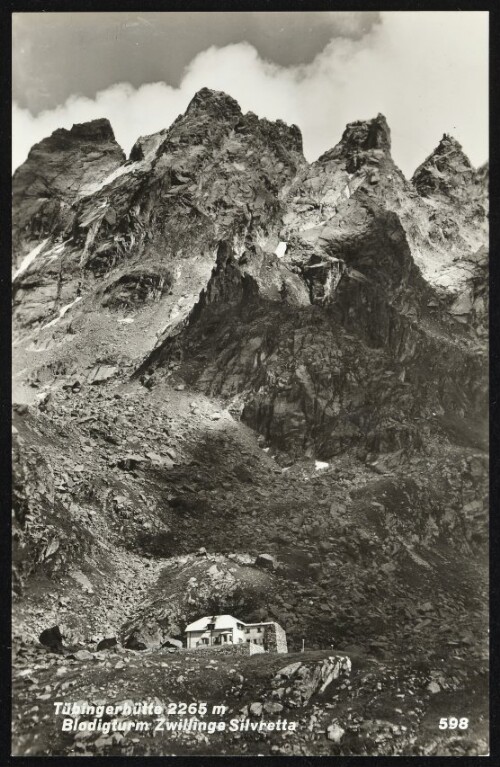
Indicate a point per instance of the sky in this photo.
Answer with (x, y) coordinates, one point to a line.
(426, 71)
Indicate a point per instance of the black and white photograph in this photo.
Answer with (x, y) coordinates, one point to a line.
(250, 395)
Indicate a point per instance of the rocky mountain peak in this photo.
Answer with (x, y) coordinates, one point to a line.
(361, 141)
(59, 169)
(364, 135)
(214, 103)
(445, 171)
(96, 131)
(449, 154)
(93, 130)
(448, 138)
(216, 107)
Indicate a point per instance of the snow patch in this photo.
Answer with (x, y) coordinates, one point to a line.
(121, 171)
(27, 260)
(97, 212)
(62, 312)
(321, 465)
(55, 251)
(281, 249)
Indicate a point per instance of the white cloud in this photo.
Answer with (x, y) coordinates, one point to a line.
(426, 71)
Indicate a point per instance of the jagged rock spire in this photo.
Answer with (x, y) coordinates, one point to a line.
(58, 169)
(97, 131)
(364, 135)
(361, 139)
(447, 170)
(214, 102)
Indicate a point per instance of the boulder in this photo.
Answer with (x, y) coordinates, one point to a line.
(101, 373)
(170, 642)
(73, 385)
(107, 643)
(52, 638)
(82, 655)
(143, 639)
(202, 552)
(130, 462)
(289, 670)
(335, 732)
(266, 560)
(272, 707)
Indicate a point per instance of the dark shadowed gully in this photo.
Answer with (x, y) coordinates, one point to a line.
(223, 352)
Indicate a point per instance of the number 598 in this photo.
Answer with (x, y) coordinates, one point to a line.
(451, 723)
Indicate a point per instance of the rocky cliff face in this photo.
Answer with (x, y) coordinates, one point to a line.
(336, 252)
(222, 350)
(60, 169)
(336, 340)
